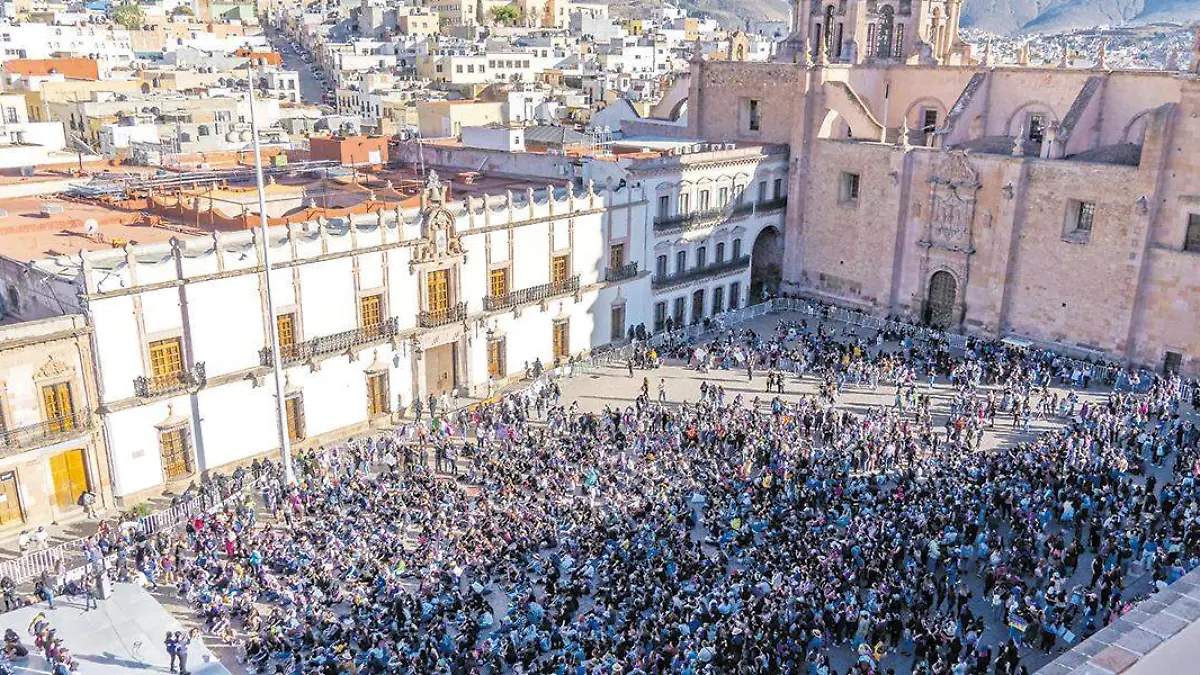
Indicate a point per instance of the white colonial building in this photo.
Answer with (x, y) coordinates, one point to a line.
(715, 230)
(372, 310)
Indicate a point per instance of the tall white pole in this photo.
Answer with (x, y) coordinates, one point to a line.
(285, 447)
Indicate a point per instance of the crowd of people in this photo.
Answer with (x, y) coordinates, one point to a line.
(728, 534)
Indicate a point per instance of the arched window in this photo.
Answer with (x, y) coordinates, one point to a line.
(886, 24)
(202, 130)
(824, 38)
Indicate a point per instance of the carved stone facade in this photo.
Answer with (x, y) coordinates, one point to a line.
(948, 242)
(1057, 201)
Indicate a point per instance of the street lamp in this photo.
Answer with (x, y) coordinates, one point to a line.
(285, 448)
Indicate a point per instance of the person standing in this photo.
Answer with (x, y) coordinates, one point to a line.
(172, 646)
(181, 649)
(88, 501)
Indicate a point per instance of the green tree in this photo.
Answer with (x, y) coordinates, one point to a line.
(129, 16)
(505, 15)
(183, 10)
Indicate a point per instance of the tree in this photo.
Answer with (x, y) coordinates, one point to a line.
(505, 15)
(129, 16)
(183, 10)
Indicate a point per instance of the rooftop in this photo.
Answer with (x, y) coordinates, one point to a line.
(41, 227)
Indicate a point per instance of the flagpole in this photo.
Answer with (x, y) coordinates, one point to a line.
(285, 447)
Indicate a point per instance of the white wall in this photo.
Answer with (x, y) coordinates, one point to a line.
(218, 311)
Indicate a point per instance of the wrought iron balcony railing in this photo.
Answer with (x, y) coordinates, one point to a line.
(709, 270)
(697, 219)
(337, 342)
(44, 433)
(441, 317)
(173, 383)
(626, 271)
(531, 294)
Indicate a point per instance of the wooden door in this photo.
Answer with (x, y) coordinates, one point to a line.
(70, 478)
(176, 459)
(377, 396)
(285, 331)
(496, 353)
(59, 407)
(559, 269)
(943, 293)
(294, 412)
(370, 313)
(437, 287)
(440, 369)
(10, 500)
(562, 339)
(166, 362)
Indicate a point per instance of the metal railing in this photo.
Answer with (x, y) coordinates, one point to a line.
(697, 219)
(626, 271)
(42, 433)
(338, 342)
(35, 563)
(441, 317)
(174, 383)
(532, 294)
(701, 272)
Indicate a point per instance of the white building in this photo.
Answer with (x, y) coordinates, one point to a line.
(115, 139)
(372, 311)
(27, 144)
(715, 231)
(283, 84)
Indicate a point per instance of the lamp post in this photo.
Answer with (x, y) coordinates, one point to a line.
(285, 448)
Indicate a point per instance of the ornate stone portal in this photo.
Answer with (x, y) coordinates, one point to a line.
(439, 237)
(948, 239)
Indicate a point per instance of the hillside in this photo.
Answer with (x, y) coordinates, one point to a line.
(1004, 17)
(1046, 16)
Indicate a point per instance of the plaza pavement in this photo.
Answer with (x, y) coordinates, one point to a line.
(124, 634)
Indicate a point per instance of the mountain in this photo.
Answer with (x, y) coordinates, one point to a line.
(1004, 17)
(1007, 17)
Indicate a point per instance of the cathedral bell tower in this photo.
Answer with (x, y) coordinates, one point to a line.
(869, 31)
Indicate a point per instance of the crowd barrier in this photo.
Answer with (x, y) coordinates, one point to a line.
(36, 563)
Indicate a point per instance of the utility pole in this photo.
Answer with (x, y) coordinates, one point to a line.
(285, 448)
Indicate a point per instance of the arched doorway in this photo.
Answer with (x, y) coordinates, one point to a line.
(939, 308)
(766, 264)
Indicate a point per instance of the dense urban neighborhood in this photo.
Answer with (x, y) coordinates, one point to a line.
(544, 336)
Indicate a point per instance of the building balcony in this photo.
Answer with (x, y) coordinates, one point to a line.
(698, 219)
(332, 344)
(441, 317)
(694, 273)
(16, 440)
(493, 303)
(626, 271)
(184, 380)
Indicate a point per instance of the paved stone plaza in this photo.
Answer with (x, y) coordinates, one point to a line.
(123, 635)
(110, 642)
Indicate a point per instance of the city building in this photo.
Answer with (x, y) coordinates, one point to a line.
(374, 307)
(52, 449)
(1054, 204)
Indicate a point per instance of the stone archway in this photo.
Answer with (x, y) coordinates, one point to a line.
(766, 264)
(939, 306)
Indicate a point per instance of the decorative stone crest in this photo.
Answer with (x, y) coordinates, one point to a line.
(954, 184)
(439, 237)
(52, 369)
